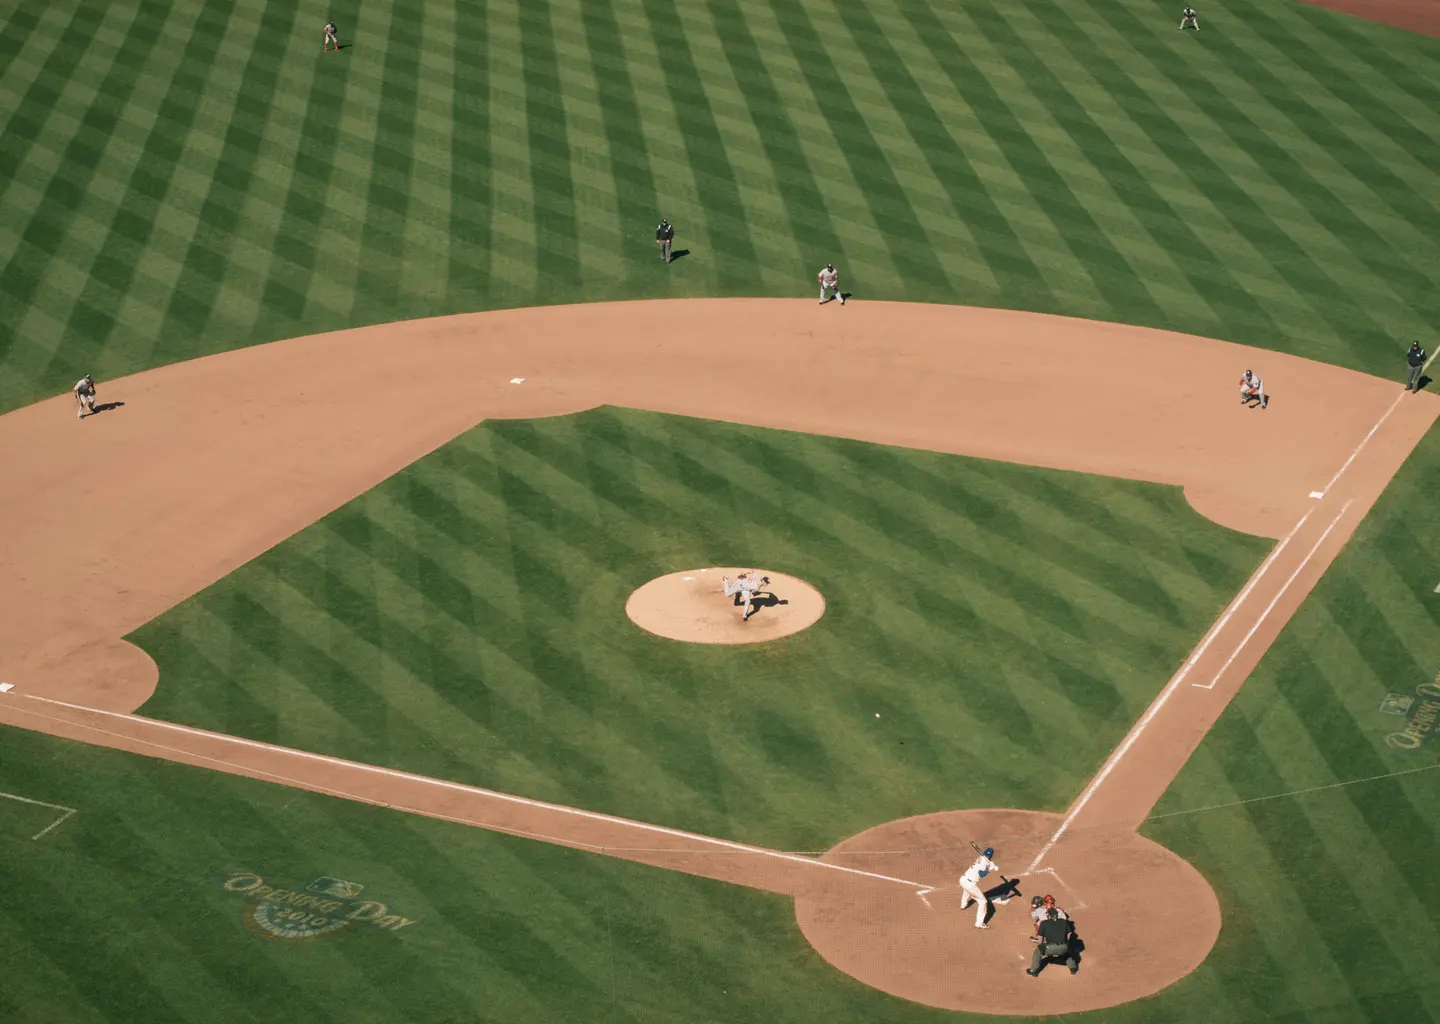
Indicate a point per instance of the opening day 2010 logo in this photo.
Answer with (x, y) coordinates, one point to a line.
(1421, 711)
(327, 906)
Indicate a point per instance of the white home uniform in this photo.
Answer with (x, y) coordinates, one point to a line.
(829, 279)
(1251, 388)
(747, 585)
(970, 886)
(84, 396)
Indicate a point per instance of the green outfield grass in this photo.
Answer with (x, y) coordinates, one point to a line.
(1329, 895)
(465, 619)
(178, 178)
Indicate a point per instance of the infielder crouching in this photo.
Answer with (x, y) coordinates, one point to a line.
(1189, 17)
(84, 396)
(1252, 389)
(829, 279)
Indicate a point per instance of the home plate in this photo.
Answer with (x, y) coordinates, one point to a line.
(1317, 494)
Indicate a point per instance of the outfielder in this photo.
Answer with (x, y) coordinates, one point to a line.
(331, 36)
(970, 886)
(747, 585)
(1252, 389)
(1188, 17)
(829, 279)
(84, 396)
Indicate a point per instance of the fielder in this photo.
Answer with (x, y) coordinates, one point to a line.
(331, 36)
(747, 585)
(970, 886)
(1188, 17)
(829, 279)
(1252, 389)
(84, 396)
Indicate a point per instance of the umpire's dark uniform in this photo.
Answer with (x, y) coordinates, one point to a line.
(1416, 358)
(1057, 939)
(665, 237)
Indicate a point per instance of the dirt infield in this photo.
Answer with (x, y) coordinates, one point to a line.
(1146, 916)
(177, 494)
(1421, 16)
(691, 606)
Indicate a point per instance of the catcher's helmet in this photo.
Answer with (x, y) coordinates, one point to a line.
(1048, 900)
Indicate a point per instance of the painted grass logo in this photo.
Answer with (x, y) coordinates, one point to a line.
(1421, 711)
(327, 906)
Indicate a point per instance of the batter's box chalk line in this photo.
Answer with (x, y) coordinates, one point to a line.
(67, 812)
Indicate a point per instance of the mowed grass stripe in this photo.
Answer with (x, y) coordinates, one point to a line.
(51, 232)
(206, 259)
(95, 317)
(468, 263)
(478, 597)
(726, 225)
(556, 229)
(627, 149)
(391, 160)
(908, 241)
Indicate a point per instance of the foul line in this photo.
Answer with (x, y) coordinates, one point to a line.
(458, 787)
(1293, 792)
(41, 803)
(1165, 694)
(1363, 442)
(1276, 599)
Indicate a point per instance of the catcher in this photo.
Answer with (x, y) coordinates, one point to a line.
(1252, 389)
(84, 396)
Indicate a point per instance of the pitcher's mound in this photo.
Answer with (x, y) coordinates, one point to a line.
(691, 606)
(1146, 916)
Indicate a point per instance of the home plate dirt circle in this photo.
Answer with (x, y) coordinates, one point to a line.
(691, 606)
(1146, 917)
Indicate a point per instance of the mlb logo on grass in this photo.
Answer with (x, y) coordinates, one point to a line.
(337, 887)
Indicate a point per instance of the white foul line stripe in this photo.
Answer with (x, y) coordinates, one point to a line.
(41, 803)
(1278, 595)
(1364, 441)
(1165, 694)
(477, 791)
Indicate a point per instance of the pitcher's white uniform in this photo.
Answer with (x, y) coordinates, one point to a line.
(829, 279)
(747, 585)
(970, 887)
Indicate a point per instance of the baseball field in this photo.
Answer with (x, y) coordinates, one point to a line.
(364, 656)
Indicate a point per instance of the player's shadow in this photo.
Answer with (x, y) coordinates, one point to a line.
(1422, 382)
(106, 407)
(764, 599)
(675, 254)
(1254, 403)
(998, 894)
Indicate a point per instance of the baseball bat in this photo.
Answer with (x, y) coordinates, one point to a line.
(982, 853)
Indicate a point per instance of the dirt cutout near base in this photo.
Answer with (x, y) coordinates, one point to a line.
(179, 492)
(691, 606)
(1422, 16)
(1145, 916)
